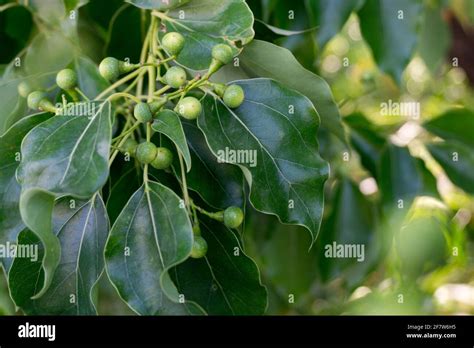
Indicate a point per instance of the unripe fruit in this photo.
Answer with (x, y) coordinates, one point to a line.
(233, 96)
(175, 76)
(129, 146)
(163, 159)
(157, 105)
(34, 99)
(196, 230)
(142, 112)
(173, 42)
(109, 68)
(223, 53)
(189, 107)
(66, 79)
(145, 152)
(233, 217)
(199, 247)
(24, 89)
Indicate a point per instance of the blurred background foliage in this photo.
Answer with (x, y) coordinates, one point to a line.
(418, 252)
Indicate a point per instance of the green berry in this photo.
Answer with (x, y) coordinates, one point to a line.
(223, 53)
(34, 99)
(109, 68)
(24, 89)
(145, 152)
(129, 146)
(199, 247)
(189, 107)
(233, 96)
(163, 159)
(173, 42)
(142, 112)
(66, 79)
(233, 217)
(175, 76)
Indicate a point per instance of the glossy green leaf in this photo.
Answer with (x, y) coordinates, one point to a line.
(152, 234)
(68, 155)
(457, 161)
(10, 219)
(12, 106)
(82, 228)
(263, 59)
(89, 80)
(160, 5)
(331, 15)
(205, 23)
(278, 126)
(454, 125)
(390, 29)
(168, 123)
(403, 177)
(352, 222)
(225, 281)
(65, 155)
(219, 184)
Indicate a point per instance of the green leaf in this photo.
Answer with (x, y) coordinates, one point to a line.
(331, 15)
(352, 221)
(12, 106)
(152, 234)
(205, 23)
(225, 281)
(168, 123)
(454, 125)
(457, 161)
(434, 38)
(89, 80)
(160, 5)
(10, 219)
(366, 139)
(82, 228)
(390, 29)
(68, 155)
(403, 177)
(263, 59)
(65, 155)
(279, 127)
(52, 12)
(219, 184)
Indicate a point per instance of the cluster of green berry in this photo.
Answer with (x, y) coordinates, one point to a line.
(189, 107)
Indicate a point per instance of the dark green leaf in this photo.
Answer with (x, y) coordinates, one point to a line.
(434, 39)
(225, 281)
(160, 5)
(152, 234)
(207, 23)
(82, 228)
(390, 29)
(352, 222)
(89, 80)
(65, 155)
(403, 177)
(219, 184)
(264, 59)
(278, 126)
(168, 123)
(10, 220)
(457, 161)
(454, 125)
(331, 15)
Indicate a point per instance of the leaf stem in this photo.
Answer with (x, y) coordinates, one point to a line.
(185, 185)
(119, 83)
